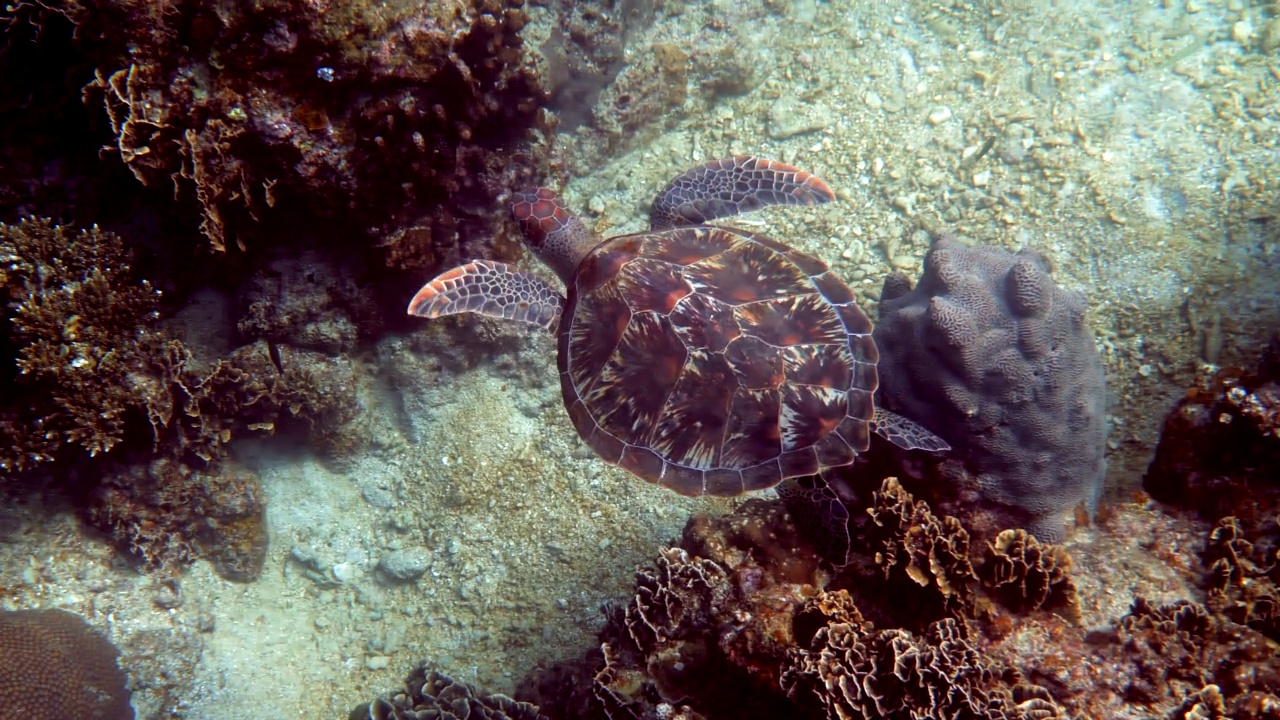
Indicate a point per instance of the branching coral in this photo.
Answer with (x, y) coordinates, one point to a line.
(76, 329)
(92, 370)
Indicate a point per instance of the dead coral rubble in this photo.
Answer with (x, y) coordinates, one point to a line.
(377, 117)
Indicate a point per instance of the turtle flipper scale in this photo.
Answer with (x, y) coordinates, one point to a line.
(906, 434)
(739, 184)
(490, 288)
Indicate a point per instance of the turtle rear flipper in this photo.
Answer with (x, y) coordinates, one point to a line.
(906, 434)
(739, 184)
(490, 288)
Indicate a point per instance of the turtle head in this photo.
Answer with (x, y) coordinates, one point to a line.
(553, 233)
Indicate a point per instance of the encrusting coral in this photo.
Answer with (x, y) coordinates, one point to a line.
(54, 666)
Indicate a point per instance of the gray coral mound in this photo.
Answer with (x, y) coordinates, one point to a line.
(987, 351)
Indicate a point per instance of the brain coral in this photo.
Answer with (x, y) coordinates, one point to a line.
(54, 666)
(996, 358)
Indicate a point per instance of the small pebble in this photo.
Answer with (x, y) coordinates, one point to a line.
(940, 114)
(403, 566)
(377, 662)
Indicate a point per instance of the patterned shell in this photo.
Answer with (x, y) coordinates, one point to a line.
(715, 361)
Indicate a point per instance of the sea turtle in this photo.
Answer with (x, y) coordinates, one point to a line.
(707, 359)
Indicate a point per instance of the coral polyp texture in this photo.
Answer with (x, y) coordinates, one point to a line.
(54, 666)
(409, 118)
(998, 359)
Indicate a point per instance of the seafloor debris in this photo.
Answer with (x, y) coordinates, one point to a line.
(431, 695)
(1000, 360)
(54, 666)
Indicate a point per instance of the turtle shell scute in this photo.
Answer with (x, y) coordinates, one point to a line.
(714, 361)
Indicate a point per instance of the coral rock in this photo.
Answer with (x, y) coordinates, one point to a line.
(54, 666)
(999, 360)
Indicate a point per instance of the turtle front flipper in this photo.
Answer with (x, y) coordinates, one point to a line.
(490, 288)
(906, 434)
(739, 184)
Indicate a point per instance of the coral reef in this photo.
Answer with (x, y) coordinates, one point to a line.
(1027, 575)
(76, 333)
(53, 666)
(849, 670)
(431, 694)
(95, 377)
(400, 124)
(1243, 578)
(1176, 650)
(167, 514)
(1220, 446)
(308, 303)
(1000, 360)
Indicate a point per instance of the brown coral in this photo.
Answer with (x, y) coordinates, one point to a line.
(1175, 650)
(403, 124)
(1243, 581)
(1026, 575)
(54, 666)
(1219, 446)
(849, 670)
(75, 325)
(914, 548)
(431, 694)
(167, 514)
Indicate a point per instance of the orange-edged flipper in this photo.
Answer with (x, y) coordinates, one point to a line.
(490, 288)
(739, 184)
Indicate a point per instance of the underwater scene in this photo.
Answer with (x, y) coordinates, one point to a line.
(639, 359)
